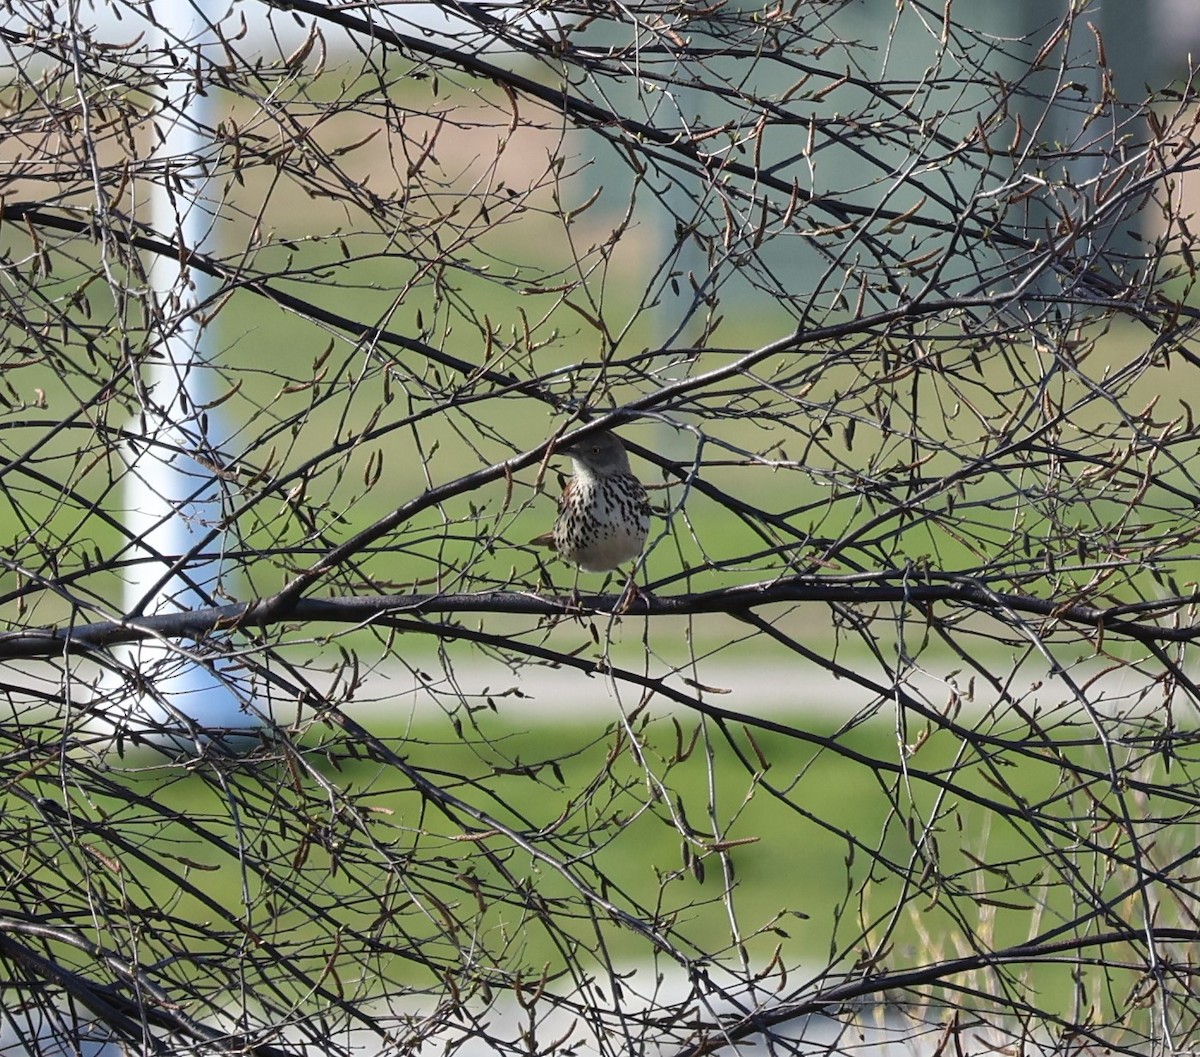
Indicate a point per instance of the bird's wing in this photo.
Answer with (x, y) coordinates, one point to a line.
(564, 497)
(546, 539)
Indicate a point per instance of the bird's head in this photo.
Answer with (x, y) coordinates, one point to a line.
(602, 454)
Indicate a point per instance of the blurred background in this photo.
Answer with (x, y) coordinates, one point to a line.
(431, 236)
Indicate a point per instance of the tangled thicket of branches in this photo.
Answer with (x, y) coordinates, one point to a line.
(894, 312)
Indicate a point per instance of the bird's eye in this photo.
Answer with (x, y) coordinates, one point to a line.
(595, 449)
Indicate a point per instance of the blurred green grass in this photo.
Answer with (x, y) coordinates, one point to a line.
(784, 809)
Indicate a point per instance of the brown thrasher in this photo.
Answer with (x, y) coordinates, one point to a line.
(603, 512)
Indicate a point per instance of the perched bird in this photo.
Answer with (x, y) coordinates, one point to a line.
(603, 512)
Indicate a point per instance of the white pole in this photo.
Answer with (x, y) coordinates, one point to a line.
(174, 499)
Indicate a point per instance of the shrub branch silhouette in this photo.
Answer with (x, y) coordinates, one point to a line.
(896, 316)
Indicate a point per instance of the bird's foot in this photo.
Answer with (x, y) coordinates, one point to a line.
(632, 593)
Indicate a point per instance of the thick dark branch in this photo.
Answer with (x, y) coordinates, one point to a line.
(127, 1016)
(852, 990)
(895, 587)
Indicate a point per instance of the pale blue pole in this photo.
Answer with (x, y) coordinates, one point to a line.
(174, 499)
